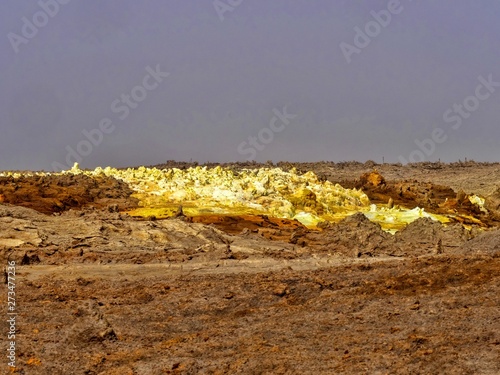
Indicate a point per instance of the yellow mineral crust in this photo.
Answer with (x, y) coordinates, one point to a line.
(269, 191)
(264, 191)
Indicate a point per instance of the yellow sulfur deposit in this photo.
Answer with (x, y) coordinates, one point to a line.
(394, 219)
(269, 191)
(474, 199)
(264, 191)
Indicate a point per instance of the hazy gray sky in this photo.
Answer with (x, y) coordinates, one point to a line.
(234, 67)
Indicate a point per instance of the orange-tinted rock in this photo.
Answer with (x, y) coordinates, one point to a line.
(436, 199)
(268, 227)
(57, 193)
(373, 178)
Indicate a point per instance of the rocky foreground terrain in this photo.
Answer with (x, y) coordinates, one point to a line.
(98, 291)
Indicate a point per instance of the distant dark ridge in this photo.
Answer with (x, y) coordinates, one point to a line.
(300, 166)
(254, 164)
(236, 166)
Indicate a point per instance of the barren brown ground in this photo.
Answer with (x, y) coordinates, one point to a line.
(98, 292)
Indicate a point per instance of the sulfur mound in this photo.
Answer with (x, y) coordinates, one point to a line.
(269, 191)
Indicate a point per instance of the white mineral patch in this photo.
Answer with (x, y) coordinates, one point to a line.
(392, 219)
(474, 199)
